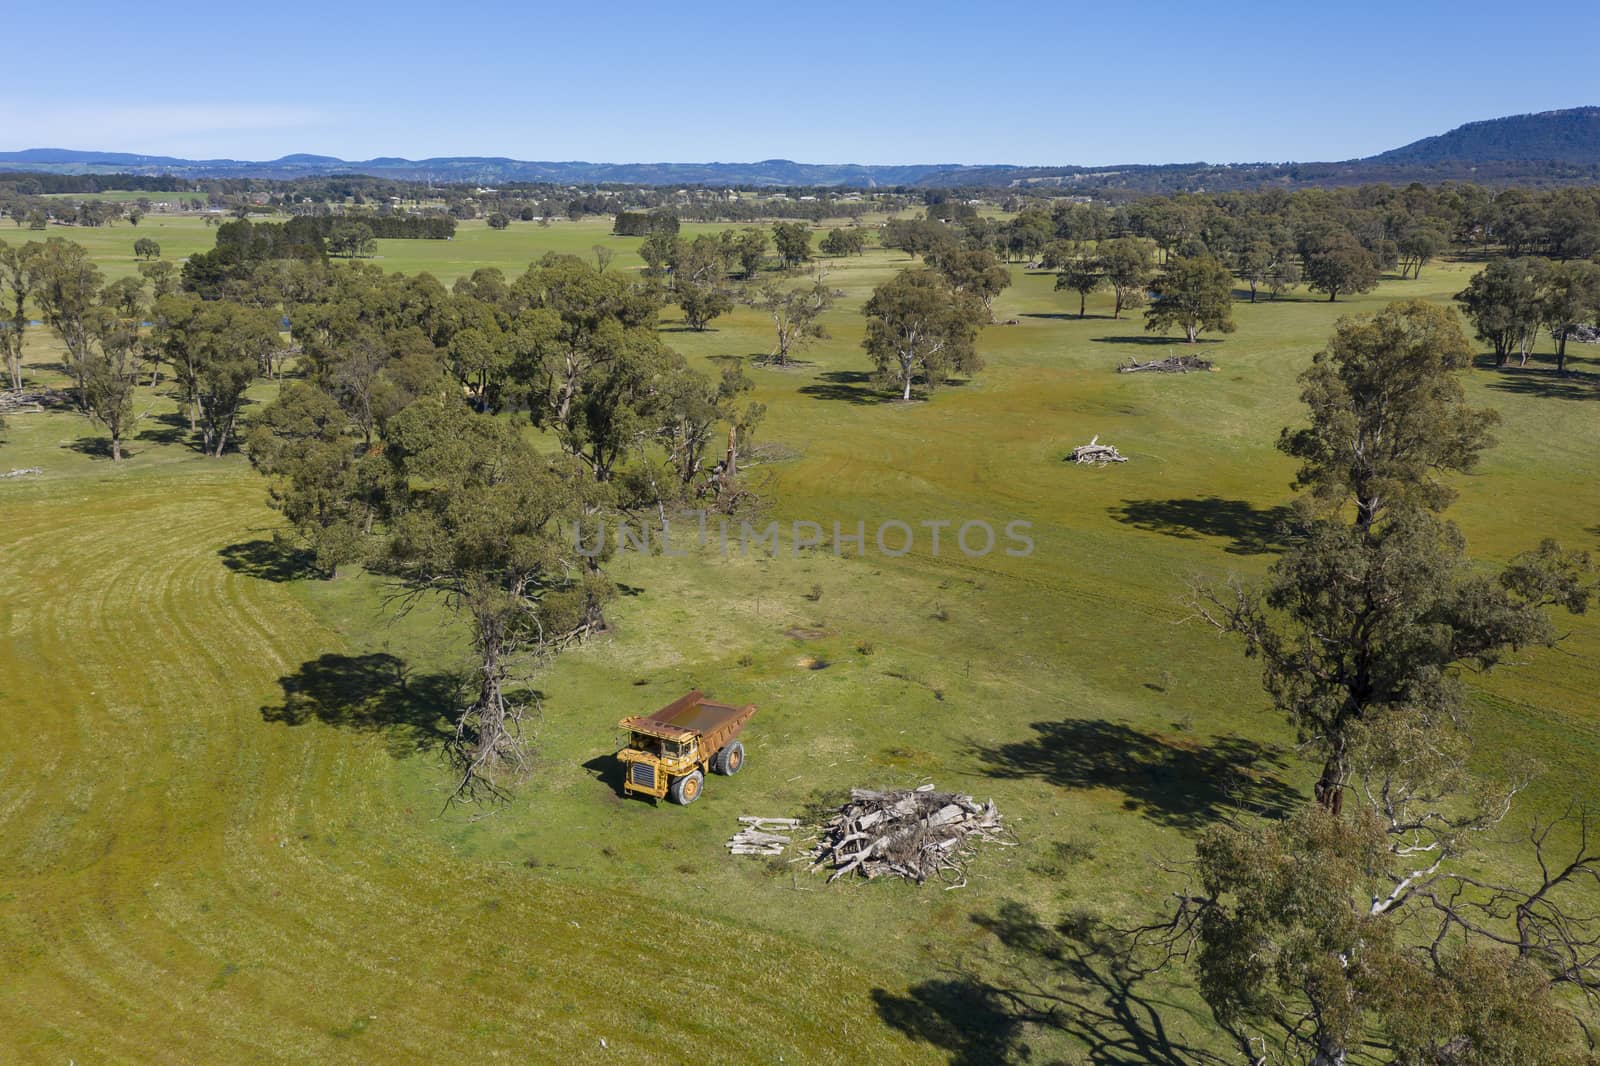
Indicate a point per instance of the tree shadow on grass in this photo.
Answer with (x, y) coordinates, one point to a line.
(373, 693)
(1544, 382)
(1253, 531)
(174, 430)
(851, 386)
(1151, 341)
(1076, 978)
(57, 367)
(1178, 780)
(268, 560)
(165, 435)
(97, 447)
(976, 1023)
(768, 361)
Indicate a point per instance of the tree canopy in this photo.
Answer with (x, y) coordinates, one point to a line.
(1357, 920)
(1194, 294)
(919, 327)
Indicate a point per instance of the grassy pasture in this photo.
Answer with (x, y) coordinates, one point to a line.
(111, 245)
(120, 196)
(220, 790)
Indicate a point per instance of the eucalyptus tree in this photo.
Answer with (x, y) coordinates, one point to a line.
(1362, 918)
(66, 288)
(1193, 293)
(919, 327)
(478, 517)
(18, 279)
(1503, 303)
(1337, 263)
(796, 313)
(585, 353)
(1126, 263)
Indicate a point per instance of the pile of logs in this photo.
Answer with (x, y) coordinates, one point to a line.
(20, 400)
(24, 472)
(758, 837)
(913, 834)
(1178, 364)
(1095, 452)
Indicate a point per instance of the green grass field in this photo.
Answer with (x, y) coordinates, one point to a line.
(220, 790)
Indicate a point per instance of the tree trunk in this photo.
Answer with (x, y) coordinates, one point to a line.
(1083, 301)
(1329, 1053)
(1561, 353)
(491, 719)
(1329, 790)
(116, 448)
(1193, 333)
(594, 616)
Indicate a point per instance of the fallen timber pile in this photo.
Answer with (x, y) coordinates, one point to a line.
(758, 836)
(1095, 452)
(913, 834)
(1178, 364)
(31, 400)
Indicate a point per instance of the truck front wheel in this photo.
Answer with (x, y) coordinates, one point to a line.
(729, 759)
(686, 789)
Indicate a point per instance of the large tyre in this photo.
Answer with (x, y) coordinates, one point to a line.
(728, 760)
(686, 789)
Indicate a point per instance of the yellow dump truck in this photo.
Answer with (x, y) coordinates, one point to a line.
(670, 750)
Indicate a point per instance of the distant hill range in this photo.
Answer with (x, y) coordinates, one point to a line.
(1552, 147)
(1570, 136)
(488, 169)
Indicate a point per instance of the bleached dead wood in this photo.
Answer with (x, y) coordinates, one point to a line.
(914, 834)
(1095, 452)
(755, 836)
(1177, 364)
(17, 401)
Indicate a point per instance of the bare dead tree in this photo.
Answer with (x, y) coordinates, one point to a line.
(1551, 921)
(1408, 922)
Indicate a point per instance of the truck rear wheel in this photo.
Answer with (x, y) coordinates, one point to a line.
(729, 759)
(686, 789)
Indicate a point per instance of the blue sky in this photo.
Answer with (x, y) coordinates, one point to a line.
(884, 82)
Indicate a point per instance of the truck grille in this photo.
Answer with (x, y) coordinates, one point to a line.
(642, 774)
